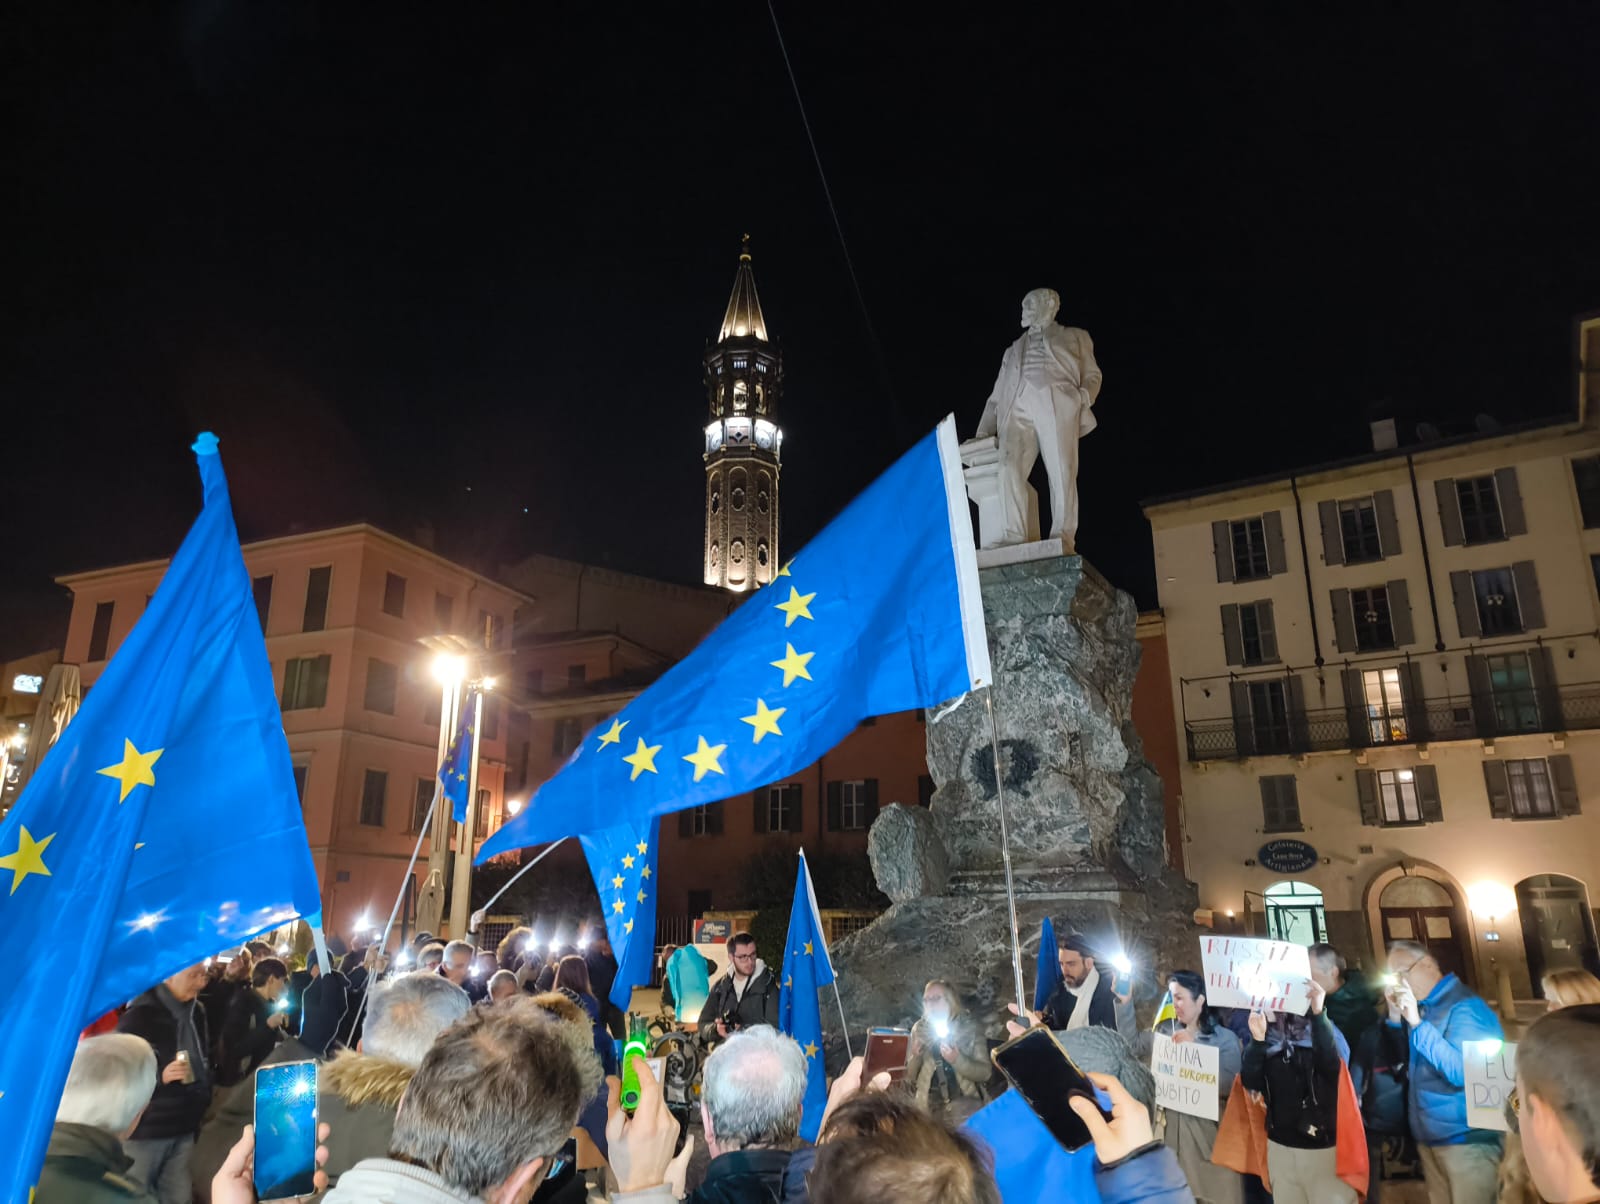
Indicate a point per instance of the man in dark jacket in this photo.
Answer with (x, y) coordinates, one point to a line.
(161, 1146)
(254, 1022)
(1352, 1003)
(745, 996)
(750, 1104)
(602, 964)
(1378, 1073)
(107, 1088)
(1086, 996)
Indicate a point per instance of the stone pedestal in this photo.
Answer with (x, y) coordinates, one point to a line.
(1085, 811)
(980, 467)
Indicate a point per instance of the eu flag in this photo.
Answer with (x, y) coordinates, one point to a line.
(623, 862)
(455, 775)
(879, 613)
(806, 970)
(164, 825)
(1047, 975)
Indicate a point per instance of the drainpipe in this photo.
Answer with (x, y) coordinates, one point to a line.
(1427, 562)
(1305, 565)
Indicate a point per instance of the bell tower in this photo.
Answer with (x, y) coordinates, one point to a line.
(744, 444)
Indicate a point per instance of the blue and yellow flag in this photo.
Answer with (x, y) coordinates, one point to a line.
(879, 613)
(455, 775)
(623, 862)
(163, 826)
(1047, 971)
(806, 970)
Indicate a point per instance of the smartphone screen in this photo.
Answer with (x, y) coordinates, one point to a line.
(286, 1130)
(1036, 1065)
(886, 1050)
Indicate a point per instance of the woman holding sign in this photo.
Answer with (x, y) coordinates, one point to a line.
(1294, 1062)
(1191, 1137)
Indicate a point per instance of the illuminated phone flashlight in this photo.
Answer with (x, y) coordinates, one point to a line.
(403, 958)
(941, 1028)
(282, 1005)
(1391, 980)
(1122, 963)
(476, 970)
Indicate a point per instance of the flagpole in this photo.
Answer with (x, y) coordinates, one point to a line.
(479, 915)
(1005, 851)
(844, 1025)
(430, 905)
(383, 941)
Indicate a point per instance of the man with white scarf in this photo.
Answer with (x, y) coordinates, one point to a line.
(1086, 998)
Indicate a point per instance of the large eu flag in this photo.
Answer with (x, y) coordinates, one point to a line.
(623, 862)
(806, 970)
(879, 613)
(163, 826)
(455, 775)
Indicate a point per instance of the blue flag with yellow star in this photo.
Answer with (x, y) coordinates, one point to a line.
(455, 775)
(623, 862)
(806, 970)
(879, 613)
(163, 826)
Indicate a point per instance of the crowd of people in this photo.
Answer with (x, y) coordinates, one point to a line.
(459, 1075)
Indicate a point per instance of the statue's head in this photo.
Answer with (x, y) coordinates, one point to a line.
(1039, 307)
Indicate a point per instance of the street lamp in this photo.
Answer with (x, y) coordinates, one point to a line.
(449, 669)
(513, 806)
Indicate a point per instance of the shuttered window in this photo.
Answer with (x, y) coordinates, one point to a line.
(1280, 803)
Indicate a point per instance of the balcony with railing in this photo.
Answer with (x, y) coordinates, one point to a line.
(1455, 717)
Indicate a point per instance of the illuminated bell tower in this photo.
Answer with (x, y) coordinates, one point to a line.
(744, 385)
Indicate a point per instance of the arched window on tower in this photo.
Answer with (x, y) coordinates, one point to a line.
(762, 555)
(741, 396)
(761, 399)
(736, 489)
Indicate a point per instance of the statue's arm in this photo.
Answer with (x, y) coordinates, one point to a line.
(1090, 370)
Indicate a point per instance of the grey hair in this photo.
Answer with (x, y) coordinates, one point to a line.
(501, 977)
(1327, 958)
(1415, 948)
(406, 1014)
(111, 1080)
(497, 1090)
(430, 955)
(455, 947)
(755, 1087)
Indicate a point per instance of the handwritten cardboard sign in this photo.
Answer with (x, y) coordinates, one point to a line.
(1243, 972)
(1186, 1077)
(1491, 1070)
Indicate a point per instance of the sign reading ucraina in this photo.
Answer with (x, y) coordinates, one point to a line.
(1245, 973)
(1491, 1077)
(1186, 1077)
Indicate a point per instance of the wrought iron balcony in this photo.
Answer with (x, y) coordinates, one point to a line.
(1455, 717)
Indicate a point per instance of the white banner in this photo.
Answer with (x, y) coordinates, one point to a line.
(1186, 1076)
(1242, 972)
(1491, 1068)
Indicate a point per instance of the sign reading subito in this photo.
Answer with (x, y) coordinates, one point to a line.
(1491, 1076)
(1242, 972)
(1186, 1076)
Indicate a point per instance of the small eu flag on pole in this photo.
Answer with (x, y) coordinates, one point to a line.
(806, 970)
(879, 613)
(1047, 977)
(455, 775)
(163, 826)
(623, 862)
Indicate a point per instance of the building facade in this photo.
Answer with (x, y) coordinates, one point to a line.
(343, 611)
(744, 444)
(1387, 674)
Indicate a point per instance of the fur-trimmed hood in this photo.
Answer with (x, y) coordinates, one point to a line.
(362, 1079)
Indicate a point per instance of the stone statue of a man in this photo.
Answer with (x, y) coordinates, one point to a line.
(1041, 406)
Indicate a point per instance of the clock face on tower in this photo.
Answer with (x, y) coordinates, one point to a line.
(738, 432)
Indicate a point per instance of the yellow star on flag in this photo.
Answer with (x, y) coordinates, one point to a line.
(642, 759)
(645, 872)
(765, 720)
(618, 907)
(808, 948)
(643, 847)
(784, 571)
(614, 735)
(789, 982)
(28, 859)
(628, 927)
(617, 882)
(136, 769)
(793, 665)
(704, 759)
(627, 862)
(797, 607)
(811, 1050)
(641, 896)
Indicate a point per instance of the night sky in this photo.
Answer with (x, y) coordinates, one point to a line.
(457, 263)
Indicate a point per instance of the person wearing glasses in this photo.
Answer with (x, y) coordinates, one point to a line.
(747, 995)
(1459, 1163)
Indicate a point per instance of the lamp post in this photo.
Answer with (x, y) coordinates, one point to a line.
(450, 670)
(466, 837)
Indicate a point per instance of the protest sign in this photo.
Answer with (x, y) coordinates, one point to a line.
(1491, 1070)
(1186, 1076)
(1242, 972)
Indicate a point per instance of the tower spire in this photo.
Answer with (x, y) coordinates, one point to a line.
(744, 318)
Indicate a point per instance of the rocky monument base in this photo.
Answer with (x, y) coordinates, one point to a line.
(1085, 810)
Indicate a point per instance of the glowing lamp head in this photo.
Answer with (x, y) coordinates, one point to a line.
(513, 806)
(1491, 899)
(449, 670)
